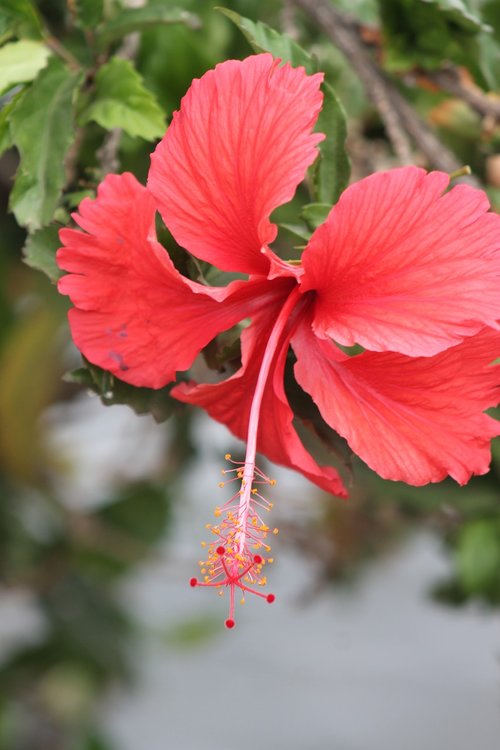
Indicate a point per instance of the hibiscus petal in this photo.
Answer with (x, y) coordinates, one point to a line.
(236, 150)
(410, 419)
(398, 266)
(230, 402)
(134, 314)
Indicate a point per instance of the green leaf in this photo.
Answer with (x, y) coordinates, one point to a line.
(263, 38)
(111, 390)
(139, 19)
(42, 129)
(122, 101)
(19, 17)
(40, 252)
(428, 33)
(21, 61)
(331, 172)
(6, 140)
(89, 12)
(478, 557)
(315, 213)
(299, 231)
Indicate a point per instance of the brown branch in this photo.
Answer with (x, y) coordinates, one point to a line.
(452, 81)
(400, 119)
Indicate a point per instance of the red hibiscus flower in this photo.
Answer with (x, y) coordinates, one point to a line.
(408, 271)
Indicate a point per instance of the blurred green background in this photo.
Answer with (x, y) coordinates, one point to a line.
(79, 519)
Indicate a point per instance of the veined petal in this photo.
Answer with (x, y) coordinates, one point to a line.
(398, 266)
(238, 147)
(135, 314)
(413, 419)
(230, 402)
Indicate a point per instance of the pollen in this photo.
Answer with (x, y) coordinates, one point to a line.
(232, 561)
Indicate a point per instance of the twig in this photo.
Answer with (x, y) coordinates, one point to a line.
(452, 81)
(400, 119)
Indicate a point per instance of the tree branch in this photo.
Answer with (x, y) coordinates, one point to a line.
(400, 119)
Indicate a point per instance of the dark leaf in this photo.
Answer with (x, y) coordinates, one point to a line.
(42, 128)
(40, 251)
(149, 16)
(114, 391)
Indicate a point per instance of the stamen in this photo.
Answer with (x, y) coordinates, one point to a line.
(231, 561)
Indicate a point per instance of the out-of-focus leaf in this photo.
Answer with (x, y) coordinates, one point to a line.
(19, 17)
(428, 33)
(122, 101)
(89, 12)
(478, 558)
(138, 19)
(299, 231)
(42, 129)
(141, 512)
(113, 391)
(6, 140)
(94, 741)
(89, 628)
(28, 374)
(489, 45)
(21, 61)
(40, 251)
(192, 633)
(315, 213)
(332, 170)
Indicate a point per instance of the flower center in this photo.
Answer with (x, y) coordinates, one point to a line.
(232, 561)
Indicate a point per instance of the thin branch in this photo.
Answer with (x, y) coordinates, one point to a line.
(452, 80)
(399, 117)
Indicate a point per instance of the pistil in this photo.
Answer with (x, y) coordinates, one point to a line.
(232, 560)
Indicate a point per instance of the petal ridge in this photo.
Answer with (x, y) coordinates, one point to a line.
(411, 419)
(237, 149)
(400, 266)
(135, 314)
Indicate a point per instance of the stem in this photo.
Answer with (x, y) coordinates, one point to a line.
(253, 421)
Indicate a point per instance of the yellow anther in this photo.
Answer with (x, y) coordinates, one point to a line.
(267, 547)
(222, 484)
(272, 482)
(271, 505)
(264, 527)
(203, 544)
(227, 456)
(208, 525)
(270, 560)
(263, 581)
(203, 570)
(254, 491)
(242, 600)
(257, 546)
(221, 592)
(276, 531)
(206, 579)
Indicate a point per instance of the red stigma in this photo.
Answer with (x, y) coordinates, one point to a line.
(221, 550)
(257, 559)
(270, 598)
(193, 582)
(229, 623)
